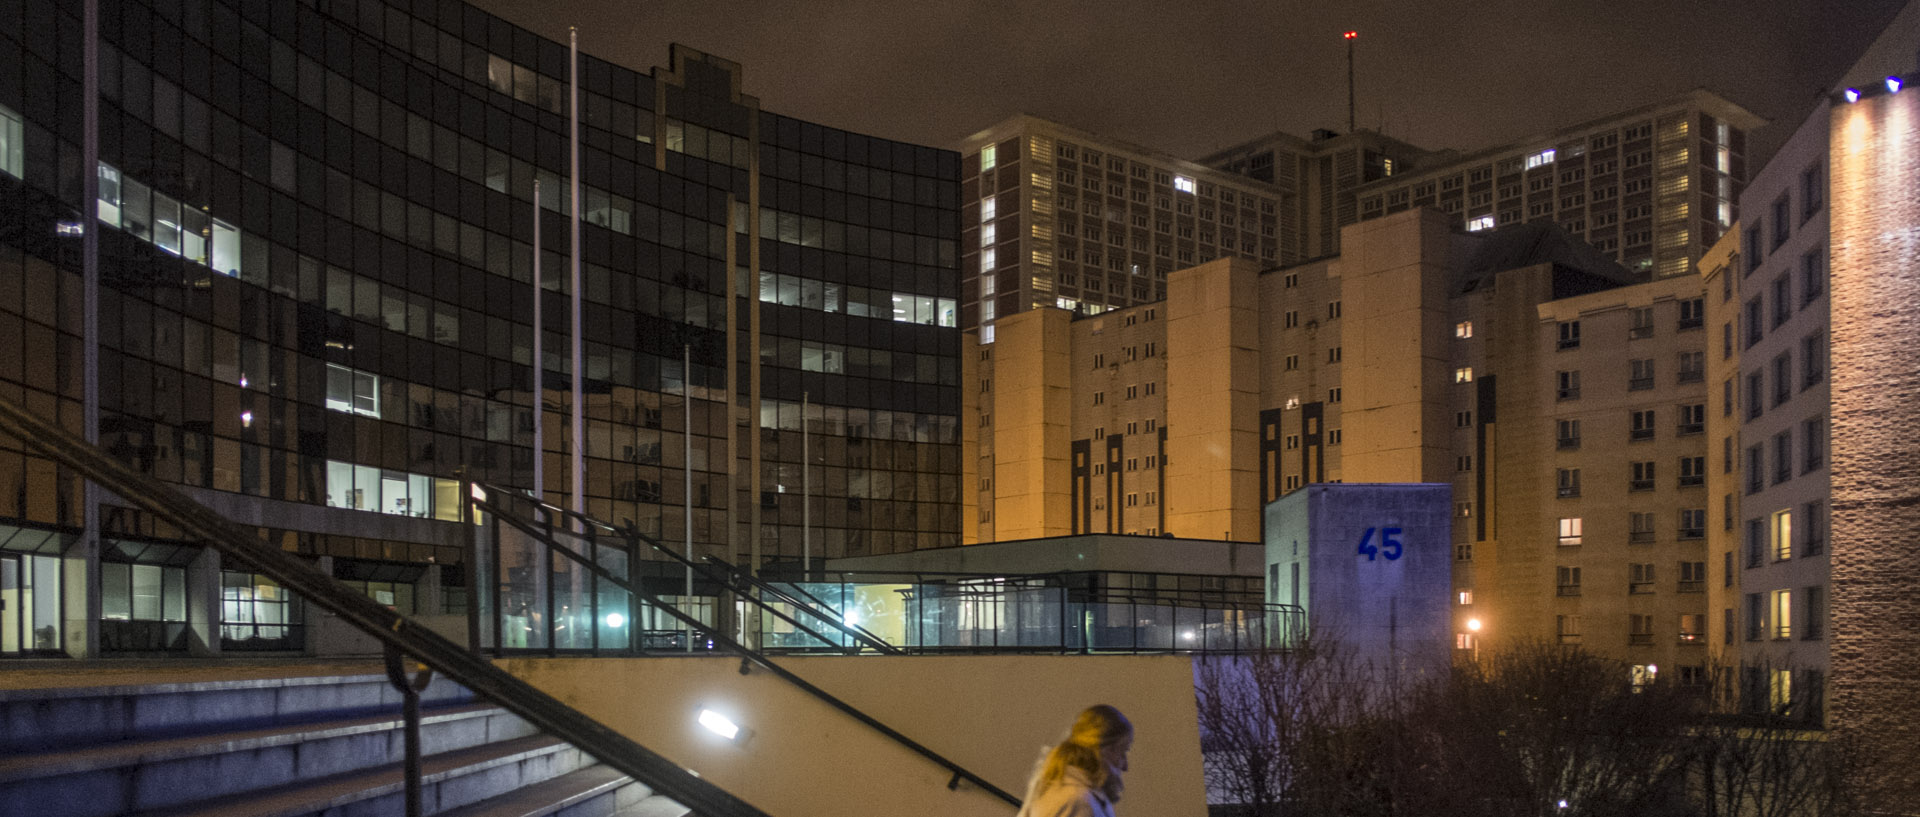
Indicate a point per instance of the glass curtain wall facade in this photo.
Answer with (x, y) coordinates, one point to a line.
(316, 232)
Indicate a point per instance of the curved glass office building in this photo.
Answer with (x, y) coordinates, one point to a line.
(316, 227)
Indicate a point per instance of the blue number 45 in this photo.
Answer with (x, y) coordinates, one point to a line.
(1389, 544)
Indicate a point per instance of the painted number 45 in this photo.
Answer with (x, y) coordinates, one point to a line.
(1389, 547)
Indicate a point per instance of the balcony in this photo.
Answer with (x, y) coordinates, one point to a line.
(1569, 491)
(1690, 323)
(1692, 480)
(1638, 332)
(1566, 443)
(1640, 434)
(1569, 393)
(1639, 485)
(1690, 428)
(1691, 533)
(1569, 590)
(1640, 639)
(1640, 588)
(1692, 375)
(1640, 537)
(1692, 639)
(1692, 587)
(1639, 383)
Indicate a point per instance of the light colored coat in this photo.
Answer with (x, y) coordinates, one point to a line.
(1073, 796)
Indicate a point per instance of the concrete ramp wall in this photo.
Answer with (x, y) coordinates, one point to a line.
(991, 714)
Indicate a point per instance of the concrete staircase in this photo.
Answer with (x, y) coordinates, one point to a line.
(300, 744)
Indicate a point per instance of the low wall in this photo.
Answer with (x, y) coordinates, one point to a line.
(991, 714)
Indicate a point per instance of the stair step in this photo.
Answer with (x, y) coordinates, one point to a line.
(655, 806)
(38, 720)
(595, 791)
(135, 775)
(448, 780)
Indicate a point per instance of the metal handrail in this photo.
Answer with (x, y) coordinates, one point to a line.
(726, 642)
(392, 629)
(855, 631)
(632, 533)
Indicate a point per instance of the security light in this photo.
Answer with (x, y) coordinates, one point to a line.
(723, 726)
(1853, 94)
(1893, 85)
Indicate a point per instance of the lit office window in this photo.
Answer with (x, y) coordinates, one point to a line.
(352, 391)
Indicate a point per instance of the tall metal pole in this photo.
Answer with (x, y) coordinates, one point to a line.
(806, 493)
(1351, 36)
(539, 363)
(573, 208)
(90, 316)
(686, 465)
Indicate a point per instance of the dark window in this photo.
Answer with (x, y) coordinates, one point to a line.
(1569, 334)
(1782, 226)
(1782, 378)
(1813, 276)
(1782, 300)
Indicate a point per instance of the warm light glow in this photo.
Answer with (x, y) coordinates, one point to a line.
(1853, 94)
(1893, 85)
(1351, 35)
(1473, 624)
(616, 621)
(719, 724)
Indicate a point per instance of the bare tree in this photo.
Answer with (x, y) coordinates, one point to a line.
(1294, 731)
(1763, 751)
(1542, 730)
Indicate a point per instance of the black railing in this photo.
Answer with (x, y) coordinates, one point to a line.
(397, 632)
(482, 500)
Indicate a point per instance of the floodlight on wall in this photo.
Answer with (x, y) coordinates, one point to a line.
(1473, 624)
(1853, 94)
(723, 726)
(1893, 85)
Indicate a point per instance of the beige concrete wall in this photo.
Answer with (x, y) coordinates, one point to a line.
(1397, 363)
(1032, 416)
(1213, 413)
(991, 714)
(975, 377)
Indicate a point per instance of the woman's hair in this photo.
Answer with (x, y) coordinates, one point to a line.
(1098, 727)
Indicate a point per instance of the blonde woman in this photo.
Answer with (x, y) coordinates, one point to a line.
(1080, 777)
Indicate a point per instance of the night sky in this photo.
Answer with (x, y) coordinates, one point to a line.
(1192, 77)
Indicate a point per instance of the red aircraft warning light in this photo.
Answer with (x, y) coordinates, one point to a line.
(1351, 35)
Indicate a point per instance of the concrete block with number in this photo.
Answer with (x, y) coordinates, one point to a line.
(1371, 567)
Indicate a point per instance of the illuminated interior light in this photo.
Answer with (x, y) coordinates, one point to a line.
(615, 621)
(1853, 94)
(1893, 85)
(719, 724)
(246, 419)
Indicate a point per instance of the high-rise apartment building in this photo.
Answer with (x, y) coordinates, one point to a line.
(316, 226)
(1562, 402)
(1055, 217)
(1319, 177)
(1812, 303)
(1653, 187)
